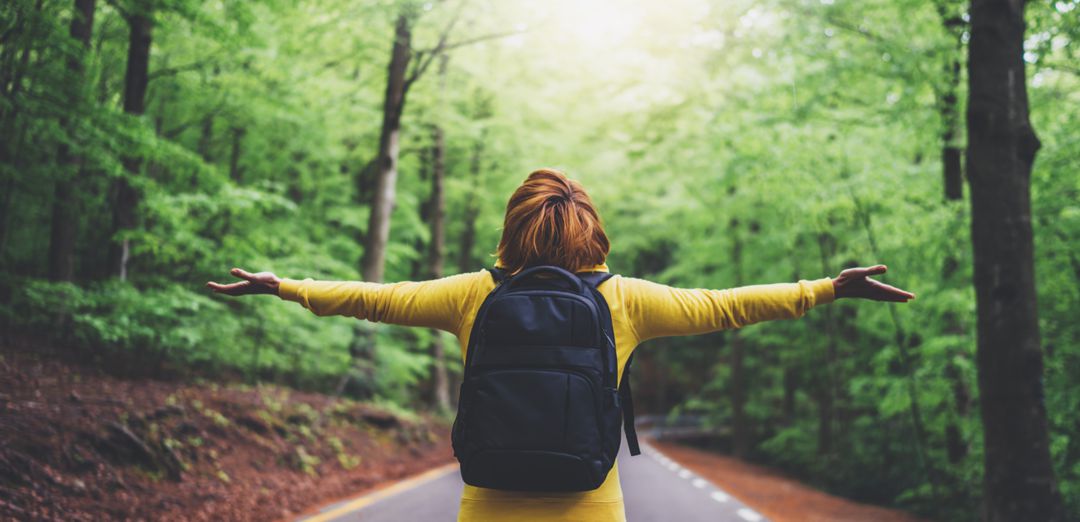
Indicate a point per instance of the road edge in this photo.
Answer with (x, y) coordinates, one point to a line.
(376, 494)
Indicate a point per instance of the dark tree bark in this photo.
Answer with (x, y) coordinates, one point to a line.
(472, 210)
(956, 447)
(64, 211)
(825, 394)
(234, 156)
(948, 107)
(12, 85)
(1019, 482)
(791, 388)
(740, 423)
(136, 80)
(206, 138)
(436, 251)
(386, 162)
(906, 361)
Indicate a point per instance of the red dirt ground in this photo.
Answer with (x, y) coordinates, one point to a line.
(79, 445)
(774, 495)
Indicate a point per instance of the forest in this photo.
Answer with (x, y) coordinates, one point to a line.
(148, 146)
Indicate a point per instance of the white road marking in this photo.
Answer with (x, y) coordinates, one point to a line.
(719, 496)
(748, 514)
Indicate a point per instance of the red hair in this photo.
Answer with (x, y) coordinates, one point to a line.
(550, 220)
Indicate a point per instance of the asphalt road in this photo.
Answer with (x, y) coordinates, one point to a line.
(655, 489)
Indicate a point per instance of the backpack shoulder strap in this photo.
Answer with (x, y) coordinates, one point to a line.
(626, 397)
(498, 274)
(594, 279)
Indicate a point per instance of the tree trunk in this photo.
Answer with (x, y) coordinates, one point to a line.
(135, 81)
(791, 387)
(948, 107)
(15, 133)
(382, 203)
(437, 249)
(472, 210)
(64, 211)
(206, 138)
(234, 157)
(826, 389)
(1019, 482)
(740, 424)
(382, 200)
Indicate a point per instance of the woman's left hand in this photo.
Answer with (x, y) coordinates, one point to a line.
(856, 282)
(260, 283)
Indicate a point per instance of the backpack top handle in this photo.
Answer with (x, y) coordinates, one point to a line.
(570, 277)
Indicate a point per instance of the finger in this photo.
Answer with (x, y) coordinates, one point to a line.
(243, 274)
(875, 270)
(229, 288)
(892, 290)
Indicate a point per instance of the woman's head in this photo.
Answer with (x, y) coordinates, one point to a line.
(550, 220)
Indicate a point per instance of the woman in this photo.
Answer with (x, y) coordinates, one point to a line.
(550, 220)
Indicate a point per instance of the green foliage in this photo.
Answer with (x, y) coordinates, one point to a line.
(810, 132)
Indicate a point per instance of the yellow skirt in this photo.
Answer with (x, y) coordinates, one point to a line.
(603, 504)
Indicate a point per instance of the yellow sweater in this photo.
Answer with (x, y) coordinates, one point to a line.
(640, 310)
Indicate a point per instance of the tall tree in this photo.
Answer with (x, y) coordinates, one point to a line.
(947, 100)
(17, 46)
(399, 78)
(384, 167)
(1019, 482)
(236, 134)
(386, 158)
(740, 422)
(136, 79)
(472, 207)
(64, 213)
(437, 221)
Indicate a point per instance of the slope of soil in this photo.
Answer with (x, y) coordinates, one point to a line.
(774, 495)
(79, 445)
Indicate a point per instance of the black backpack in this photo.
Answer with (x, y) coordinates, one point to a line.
(540, 408)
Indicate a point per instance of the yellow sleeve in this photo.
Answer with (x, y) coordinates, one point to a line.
(657, 310)
(438, 303)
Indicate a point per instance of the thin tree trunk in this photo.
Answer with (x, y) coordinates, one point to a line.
(826, 393)
(206, 138)
(740, 428)
(472, 210)
(382, 203)
(791, 387)
(234, 157)
(436, 251)
(948, 107)
(906, 362)
(1019, 482)
(64, 211)
(384, 167)
(10, 148)
(135, 82)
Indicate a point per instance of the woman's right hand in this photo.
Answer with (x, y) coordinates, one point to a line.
(260, 283)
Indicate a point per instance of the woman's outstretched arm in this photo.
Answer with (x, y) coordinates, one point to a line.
(434, 304)
(657, 310)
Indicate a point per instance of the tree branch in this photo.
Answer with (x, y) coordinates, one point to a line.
(425, 57)
(175, 131)
(478, 39)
